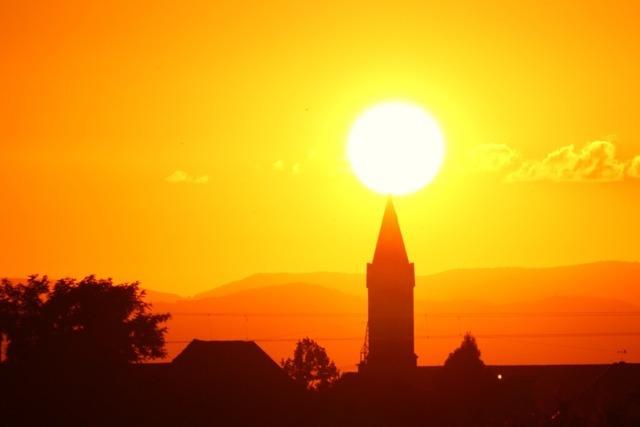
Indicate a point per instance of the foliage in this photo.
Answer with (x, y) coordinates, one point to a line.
(310, 366)
(90, 321)
(464, 367)
(470, 393)
(466, 357)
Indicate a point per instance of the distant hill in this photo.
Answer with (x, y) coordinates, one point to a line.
(160, 297)
(291, 298)
(567, 329)
(344, 282)
(616, 280)
(576, 314)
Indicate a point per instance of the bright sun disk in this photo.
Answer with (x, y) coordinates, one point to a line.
(395, 148)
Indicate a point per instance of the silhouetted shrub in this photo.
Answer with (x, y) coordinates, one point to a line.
(310, 366)
(464, 369)
(466, 358)
(467, 388)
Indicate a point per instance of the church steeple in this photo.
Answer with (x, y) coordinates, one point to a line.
(390, 247)
(389, 347)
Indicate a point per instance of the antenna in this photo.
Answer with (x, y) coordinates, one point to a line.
(364, 351)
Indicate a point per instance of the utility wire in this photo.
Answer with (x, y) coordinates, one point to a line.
(454, 336)
(428, 315)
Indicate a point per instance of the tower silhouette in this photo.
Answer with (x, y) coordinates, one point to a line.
(390, 282)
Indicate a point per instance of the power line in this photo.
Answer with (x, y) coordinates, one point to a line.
(553, 335)
(538, 314)
(428, 315)
(454, 336)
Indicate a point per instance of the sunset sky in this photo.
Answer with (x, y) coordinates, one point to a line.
(186, 144)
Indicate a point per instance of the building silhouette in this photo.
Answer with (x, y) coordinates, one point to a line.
(236, 383)
(238, 362)
(389, 346)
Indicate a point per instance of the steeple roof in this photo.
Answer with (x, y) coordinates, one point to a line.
(390, 247)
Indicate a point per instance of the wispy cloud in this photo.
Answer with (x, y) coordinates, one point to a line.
(281, 166)
(296, 168)
(633, 170)
(491, 158)
(180, 177)
(596, 161)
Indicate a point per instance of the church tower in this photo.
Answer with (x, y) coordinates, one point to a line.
(390, 281)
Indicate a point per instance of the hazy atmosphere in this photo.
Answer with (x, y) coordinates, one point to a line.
(193, 145)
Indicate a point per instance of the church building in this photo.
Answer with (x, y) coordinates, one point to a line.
(389, 342)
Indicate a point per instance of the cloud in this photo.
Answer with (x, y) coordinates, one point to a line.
(492, 158)
(179, 177)
(633, 170)
(280, 166)
(595, 162)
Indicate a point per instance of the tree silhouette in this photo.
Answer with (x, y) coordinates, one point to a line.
(90, 321)
(310, 366)
(464, 369)
(21, 320)
(466, 357)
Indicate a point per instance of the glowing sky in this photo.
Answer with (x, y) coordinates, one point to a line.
(189, 144)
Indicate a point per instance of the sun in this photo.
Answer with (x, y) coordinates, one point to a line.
(395, 148)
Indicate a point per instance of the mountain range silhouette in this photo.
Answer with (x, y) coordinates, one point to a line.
(606, 279)
(520, 315)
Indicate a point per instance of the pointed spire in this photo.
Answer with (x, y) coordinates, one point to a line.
(390, 247)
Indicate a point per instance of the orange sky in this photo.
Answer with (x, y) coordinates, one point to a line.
(251, 103)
